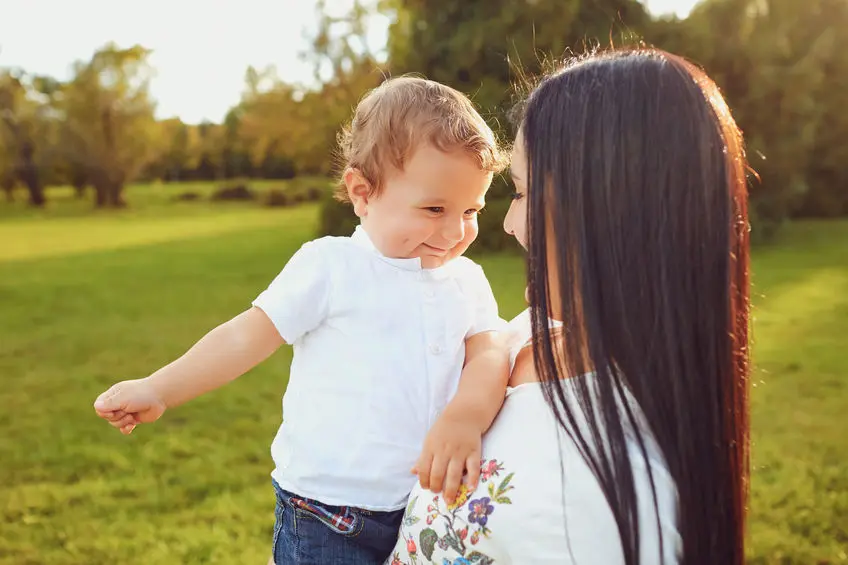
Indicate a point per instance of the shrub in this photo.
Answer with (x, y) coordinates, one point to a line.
(337, 218)
(238, 192)
(314, 193)
(277, 197)
(310, 189)
(187, 197)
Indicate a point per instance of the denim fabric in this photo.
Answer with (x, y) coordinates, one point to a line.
(308, 532)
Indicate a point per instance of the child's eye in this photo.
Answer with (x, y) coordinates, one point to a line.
(472, 212)
(435, 209)
(517, 195)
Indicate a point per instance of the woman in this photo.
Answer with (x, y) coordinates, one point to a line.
(624, 434)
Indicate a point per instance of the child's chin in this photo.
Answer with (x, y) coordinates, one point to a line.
(431, 262)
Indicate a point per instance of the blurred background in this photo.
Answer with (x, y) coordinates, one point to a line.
(160, 162)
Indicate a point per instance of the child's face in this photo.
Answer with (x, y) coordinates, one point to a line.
(428, 210)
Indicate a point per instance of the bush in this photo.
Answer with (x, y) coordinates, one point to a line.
(337, 218)
(314, 193)
(309, 189)
(237, 192)
(277, 197)
(297, 191)
(187, 197)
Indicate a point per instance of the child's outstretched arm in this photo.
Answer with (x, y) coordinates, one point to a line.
(222, 355)
(453, 444)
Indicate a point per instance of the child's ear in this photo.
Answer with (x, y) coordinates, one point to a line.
(358, 190)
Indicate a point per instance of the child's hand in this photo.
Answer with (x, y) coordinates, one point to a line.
(128, 404)
(452, 447)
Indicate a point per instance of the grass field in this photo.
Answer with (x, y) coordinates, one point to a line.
(88, 299)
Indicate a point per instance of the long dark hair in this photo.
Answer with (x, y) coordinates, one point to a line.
(638, 198)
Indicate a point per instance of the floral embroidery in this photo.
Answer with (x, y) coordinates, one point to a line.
(489, 469)
(461, 527)
(480, 510)
(461, 498)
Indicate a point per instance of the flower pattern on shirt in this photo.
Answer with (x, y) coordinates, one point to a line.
(455, 528)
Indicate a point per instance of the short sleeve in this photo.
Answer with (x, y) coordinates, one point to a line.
(297, 300)
(486, 318)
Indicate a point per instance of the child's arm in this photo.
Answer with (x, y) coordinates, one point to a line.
(222, 355)
(294, 303)
(454, 442)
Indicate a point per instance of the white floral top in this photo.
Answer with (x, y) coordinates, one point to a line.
(537, 501)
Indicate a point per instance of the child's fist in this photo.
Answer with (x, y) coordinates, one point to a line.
(128, 404)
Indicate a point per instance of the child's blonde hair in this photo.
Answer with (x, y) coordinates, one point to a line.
(403, 113)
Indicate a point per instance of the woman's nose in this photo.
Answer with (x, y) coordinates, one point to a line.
(507, 223)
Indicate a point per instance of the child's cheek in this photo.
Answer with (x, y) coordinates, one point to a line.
(471, 232)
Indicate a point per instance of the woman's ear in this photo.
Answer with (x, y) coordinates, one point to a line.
(359, 190)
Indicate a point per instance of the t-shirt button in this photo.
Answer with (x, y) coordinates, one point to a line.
(435, 349)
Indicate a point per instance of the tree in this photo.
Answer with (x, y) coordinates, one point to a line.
(778, 63)
(109, 120)
(7, 172)
(177, 151)
(473, 46)
(235, 157)
(269, 121)
(25, 128)
(210, 149)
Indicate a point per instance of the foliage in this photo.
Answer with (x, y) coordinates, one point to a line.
(107, 116)
(27, 132)
(782, 64)
(337, 218)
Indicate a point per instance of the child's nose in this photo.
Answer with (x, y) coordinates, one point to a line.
(454, 231)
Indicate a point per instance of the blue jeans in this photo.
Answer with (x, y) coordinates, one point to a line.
(308, 532)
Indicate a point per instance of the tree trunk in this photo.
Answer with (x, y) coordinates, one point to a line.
(100, 189)
(79, 180)
(28, 174)
(99, 197)
(7, 182)
(113, 179)
(114, 195)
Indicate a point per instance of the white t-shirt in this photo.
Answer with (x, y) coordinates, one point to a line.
(537, 501)
(379, 345)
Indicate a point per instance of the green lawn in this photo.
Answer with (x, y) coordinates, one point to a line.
(89, 299)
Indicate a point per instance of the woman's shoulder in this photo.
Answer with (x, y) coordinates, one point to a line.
(537, 500)
(513, 515)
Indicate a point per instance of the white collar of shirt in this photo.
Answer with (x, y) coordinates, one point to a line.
(361, 238)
